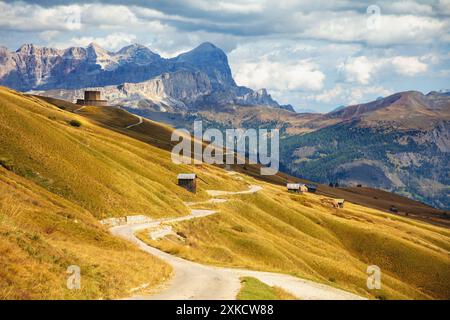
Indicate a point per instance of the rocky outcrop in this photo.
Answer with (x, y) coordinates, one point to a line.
(439, 136)
(167, 92)
(259, 97)
(290, 108)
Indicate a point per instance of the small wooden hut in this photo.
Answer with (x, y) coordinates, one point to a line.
(311, 188)
(296, 187)
(188, 181)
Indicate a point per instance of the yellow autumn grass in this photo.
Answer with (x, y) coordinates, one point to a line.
(41, 235)
(101, 170)
(64, 178)
(57, 180)
(302, 235)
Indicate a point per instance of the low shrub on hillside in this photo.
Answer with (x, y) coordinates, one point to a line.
(6, 163)
(75, 123)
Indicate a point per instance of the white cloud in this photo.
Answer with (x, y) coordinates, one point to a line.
(406, 7)
(408, 66)
(108, 15)
(32, 18)
(362, 69)
(357, 95)
(329, 95)
(408, 22)
(48, 35)
(112, 41)
(444, 6)
(227, 6)
(352, 26)
(350, 94)
(432, 58)
(302, 75)
(406, 29)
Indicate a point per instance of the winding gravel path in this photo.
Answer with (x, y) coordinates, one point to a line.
(135, 124)
(79, 109)
(195, 281)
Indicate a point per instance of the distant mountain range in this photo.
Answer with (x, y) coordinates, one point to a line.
(400, 143)
(133, 76)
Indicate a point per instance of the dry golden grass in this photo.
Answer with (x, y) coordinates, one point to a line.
(60, 174)
(105, 172)
(297, 234)
(56, 180)
(41, 235)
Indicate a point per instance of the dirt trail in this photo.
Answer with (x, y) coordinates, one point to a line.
(195, 281)
(135, 124)
(216, 193)
(79, 109)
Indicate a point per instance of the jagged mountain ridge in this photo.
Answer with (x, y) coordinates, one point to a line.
(40, 69)
(172, 92)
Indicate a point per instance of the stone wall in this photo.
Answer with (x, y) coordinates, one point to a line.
(96, 103)
(120, 221)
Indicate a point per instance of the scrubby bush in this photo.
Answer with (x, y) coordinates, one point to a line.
(6, 163)
(75, 123)
(238, 228)
(181, 234)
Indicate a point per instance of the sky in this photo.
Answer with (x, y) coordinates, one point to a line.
(313, 54)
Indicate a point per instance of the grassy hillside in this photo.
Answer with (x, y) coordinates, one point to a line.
(103, 171)
(57, 179)
(42, 234)
(383, 200)
(157, 134)
(302, 235)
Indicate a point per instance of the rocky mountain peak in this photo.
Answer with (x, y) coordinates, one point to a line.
(133, 48)
(138, 54)
(207, 46)
(94, 50)
(30, 50)
(258, 97)
(262, 92)
(27, 48)
(4, 51)
(211, 60)
(74, 53)
(203, 53)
